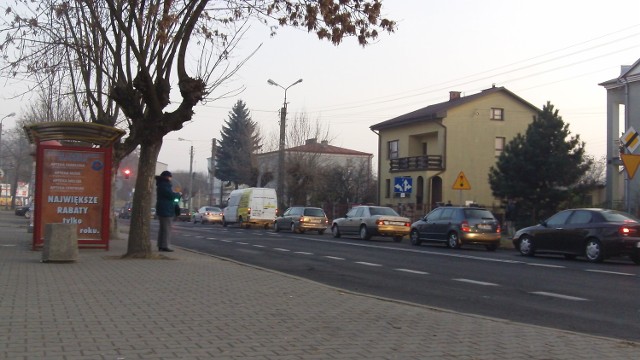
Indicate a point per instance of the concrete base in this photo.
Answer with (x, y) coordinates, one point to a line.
(60, 242)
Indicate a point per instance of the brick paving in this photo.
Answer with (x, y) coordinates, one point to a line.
(196, 306)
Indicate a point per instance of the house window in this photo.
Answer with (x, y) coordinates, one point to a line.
(497, 114)
(387, 188)
(499, 145)
(393, 149)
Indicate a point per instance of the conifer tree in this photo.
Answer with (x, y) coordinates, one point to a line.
(539, 169)
(235, 159)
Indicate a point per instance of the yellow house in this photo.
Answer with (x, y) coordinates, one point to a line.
(442, 153)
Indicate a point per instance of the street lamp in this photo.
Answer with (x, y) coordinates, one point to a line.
(190, 172)
(283, 119)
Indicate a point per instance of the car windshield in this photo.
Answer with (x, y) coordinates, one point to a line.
(313, 212)
(382, 211)
(617, 216)
(214, 209)
(478, 214)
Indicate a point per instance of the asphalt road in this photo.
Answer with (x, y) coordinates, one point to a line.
(599, 299)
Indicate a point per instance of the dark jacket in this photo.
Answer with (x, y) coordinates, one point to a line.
(166, 198)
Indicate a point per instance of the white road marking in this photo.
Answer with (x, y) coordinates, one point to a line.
(334, 258)
(413, 271)
(242, 243)
(559, 296)
(259, 246)
(367, 263)
(303, 253)
(281, 249)
(212, 239)
(610, 272)
(476, 282)
(546, 265)
(227, 241)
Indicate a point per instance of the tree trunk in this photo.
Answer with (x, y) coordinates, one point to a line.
(139, 245)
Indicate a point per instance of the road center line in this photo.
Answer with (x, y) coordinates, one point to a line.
(242, 243)
(367, 263)
(413, 271)
(334, 258)
(259, 246)
(303, 253)
(476, 282)
(281, 249)
(546, 265)
(559, 296)
(610, 272)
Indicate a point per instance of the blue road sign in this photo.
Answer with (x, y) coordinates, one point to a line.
(402, 185)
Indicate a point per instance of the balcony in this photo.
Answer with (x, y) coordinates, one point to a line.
(416, 163)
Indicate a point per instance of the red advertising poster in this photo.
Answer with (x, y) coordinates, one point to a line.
(73, 188)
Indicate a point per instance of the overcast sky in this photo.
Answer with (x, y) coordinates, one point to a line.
(542, 50)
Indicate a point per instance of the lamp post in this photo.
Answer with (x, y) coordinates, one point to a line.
(283, 119)
(190, 172)
(1, 170)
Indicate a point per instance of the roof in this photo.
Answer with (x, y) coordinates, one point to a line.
(627, 74)
(93, 133)
(323, 148)
(439, 111)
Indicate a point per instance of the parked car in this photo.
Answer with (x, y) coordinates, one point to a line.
(456, 226)
(368, 221)
(21, 210)
(185, 215)
(208, 214)
(125, 212)
(302, 218)
(594, 233)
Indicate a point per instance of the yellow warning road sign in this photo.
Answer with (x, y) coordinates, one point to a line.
(461, 183)
(631, 163)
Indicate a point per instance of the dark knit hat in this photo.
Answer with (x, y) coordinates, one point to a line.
(166, 174)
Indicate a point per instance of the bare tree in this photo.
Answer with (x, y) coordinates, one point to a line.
(125, 56)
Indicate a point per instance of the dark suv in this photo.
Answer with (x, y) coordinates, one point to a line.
(456, 226)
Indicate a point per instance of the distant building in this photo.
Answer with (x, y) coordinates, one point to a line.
(320, 153)
(443, 152)
(623, 113)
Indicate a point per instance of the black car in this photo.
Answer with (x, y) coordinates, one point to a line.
(596, 234)
(22, 210)
(455, 226)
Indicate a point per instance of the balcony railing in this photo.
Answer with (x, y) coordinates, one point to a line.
(416, 163)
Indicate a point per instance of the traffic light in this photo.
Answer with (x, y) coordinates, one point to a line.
(127, 172)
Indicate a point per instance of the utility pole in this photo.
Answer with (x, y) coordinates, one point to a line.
(190, 178)
(212, 174)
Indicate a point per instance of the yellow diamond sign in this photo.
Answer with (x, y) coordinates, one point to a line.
(630, 139)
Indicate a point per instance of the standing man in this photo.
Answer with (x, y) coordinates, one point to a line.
(165, 208)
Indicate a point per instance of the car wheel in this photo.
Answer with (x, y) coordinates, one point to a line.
(593, 251)
(276, 228)
(453, 241)
(491, 247)
(293, 228)
(397, 238)
(335, 231)
(635, 257)
(320, 232)
(364, 233)
(415, 238)
(526, 246)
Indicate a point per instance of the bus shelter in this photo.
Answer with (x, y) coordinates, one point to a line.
(73, 179)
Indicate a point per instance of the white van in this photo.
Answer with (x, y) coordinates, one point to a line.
(251, 206)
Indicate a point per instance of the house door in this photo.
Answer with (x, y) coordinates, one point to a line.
(436, 190)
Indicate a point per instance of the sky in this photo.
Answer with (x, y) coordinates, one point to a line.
(543, 50)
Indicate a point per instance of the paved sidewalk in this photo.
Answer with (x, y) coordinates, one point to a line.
(201, 307)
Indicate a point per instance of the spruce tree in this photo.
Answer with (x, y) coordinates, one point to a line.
(539, 169)
(235, 158)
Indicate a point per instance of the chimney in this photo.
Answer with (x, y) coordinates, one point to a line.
(324, 142)
(454, 95)
(311, 141)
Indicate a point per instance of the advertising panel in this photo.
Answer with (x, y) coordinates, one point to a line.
(74, 190)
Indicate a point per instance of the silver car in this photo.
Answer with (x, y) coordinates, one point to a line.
(208, 214)
(302, 218)
(368, 221)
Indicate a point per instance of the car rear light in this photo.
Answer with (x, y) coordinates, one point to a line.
(301, 219)
(464, 226)
(407, 224)
(379, 222)
(626, 231)
(498, 228)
